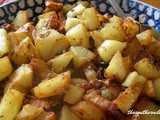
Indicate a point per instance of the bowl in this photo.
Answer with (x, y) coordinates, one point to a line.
(144, 13)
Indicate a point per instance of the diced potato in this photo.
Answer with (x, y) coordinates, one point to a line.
(154, 48)
(134, 79)
(67, 114)
(22, 53)
(97, 37)
(90, 19)
(109, 48)
(54, 6)
(10, 104)
(149, 89)
(84, 3)
(49, 20)
(53, 86)
(74, 94)
(78, 10)
(133, 49)
(76, 81)
(40, 68)
(128, 63)
(78, 35)
(115, 19)
(145, 37)
(90, 73)
(106, 106)
(81, 56)
(21, 79)
(128, 98)
(6, 68)
(67, 8)
(53, 40)
(61, 61)
(4, 42)
(24, 31)
(46, 116)
(147, 105)
(111, 92)
(88, 111)
(145, 68)
(131, 27)
(116, 69)
(21, 19)
(113, 30)
(156, 83)
(71, 22)
(40, 24)
(28, 112)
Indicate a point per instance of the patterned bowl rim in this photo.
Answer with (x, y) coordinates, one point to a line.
(132, 0)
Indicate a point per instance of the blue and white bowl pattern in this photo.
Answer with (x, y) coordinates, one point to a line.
(142, 12)
(9, 11)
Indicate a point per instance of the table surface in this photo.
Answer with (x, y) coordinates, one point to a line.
(155, 3)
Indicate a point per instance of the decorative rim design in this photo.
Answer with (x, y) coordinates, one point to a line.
(142, 12)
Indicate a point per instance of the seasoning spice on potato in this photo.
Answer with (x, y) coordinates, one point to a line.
(76, 64)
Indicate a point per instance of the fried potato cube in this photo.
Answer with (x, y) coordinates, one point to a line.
(97, 37)
(46, 116)
(10, 104)
(145, 68)
(78, 10)
(149, 89)
(156, 84)
(28, 112)
(134, 79)
(145, 37)
(76, 81)
(86, 110)
(133, 49)
(90, 73)
(25, 31)
(71, 22)
(147, 105)
(68, 114)
(109, 48)
(53, 40)
(113, 30)
(131, 27)
(21, 79)
(74, 94)
(111, 92)
(106, 106)
(24, 52)
(49, 20)
(90, 19)
(6, 67)
(4, 42)
(54, 6)
(116, 69)
(81, 56)
(40, 24)
(128, 98)
(40, 68)
(21, 19)
(54, 86)
(154, 48)
(128, 63)
(61, 61)
(78, 35)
